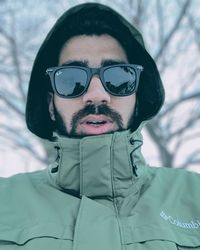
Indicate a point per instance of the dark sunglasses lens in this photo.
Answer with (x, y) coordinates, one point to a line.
(120, 80)
(70, 82)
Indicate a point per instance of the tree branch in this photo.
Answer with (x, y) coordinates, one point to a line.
(165, 156)
(10, 134)
(10, 104)
(170, 35)
(180, 100)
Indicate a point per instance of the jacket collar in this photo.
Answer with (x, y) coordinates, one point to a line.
(98, 166)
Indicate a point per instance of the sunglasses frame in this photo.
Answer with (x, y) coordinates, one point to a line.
(90, 73)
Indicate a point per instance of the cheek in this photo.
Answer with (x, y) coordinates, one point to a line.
(125, 106)
(67, 108)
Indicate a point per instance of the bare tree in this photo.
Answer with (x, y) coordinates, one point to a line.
(180, 115)
(17, 50)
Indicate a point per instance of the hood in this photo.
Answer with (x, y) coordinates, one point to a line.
(104, 20)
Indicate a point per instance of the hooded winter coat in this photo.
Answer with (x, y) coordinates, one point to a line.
(99, 194)
(92, 198)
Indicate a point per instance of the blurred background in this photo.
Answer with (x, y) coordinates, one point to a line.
(171, 30)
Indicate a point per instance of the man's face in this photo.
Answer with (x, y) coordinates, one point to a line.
(96, 111)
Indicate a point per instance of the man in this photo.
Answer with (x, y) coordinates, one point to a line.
(92, 86)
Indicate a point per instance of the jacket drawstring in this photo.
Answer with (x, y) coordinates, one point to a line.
(132, 142)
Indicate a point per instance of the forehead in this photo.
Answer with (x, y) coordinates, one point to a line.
(93, 49)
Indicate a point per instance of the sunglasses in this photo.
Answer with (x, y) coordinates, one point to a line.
(73, 81)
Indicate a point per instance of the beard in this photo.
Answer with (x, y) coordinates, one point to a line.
(91, 109)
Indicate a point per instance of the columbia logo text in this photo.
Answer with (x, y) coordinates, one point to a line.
(193, 224)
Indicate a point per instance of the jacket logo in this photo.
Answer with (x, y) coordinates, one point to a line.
(188, 225)
(59, 72)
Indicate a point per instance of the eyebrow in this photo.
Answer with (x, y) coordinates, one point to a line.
(110, 62)
(75, 63)
(104, 63)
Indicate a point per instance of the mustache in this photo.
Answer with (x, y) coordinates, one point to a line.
(93, 109)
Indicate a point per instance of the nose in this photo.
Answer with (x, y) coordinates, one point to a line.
(96, 93)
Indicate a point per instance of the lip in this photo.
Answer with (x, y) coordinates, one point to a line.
(96, 118)
(94, 129)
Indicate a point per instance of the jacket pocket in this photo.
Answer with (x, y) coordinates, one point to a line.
(187, 248)
(150, 235)
(41, 236)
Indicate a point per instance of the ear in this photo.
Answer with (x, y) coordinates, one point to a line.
(51, 106)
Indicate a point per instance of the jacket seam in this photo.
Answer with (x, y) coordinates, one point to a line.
(76, 230)
(114, 198)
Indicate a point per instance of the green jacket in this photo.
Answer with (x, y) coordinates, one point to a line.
(100, 195)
